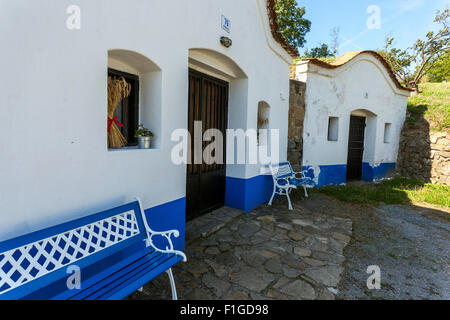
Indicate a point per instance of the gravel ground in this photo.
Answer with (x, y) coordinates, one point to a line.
(410, 244)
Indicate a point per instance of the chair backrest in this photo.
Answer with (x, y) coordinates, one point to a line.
(37, 259)
(281, 170)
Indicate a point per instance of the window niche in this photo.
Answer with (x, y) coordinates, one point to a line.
(263, 122)
(387, 132)
(142, 102)
(126, 114)
(333, 129)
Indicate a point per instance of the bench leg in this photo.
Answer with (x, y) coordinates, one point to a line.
(273, 196)
(271, 199)
(306, 192)
(289, 200)
(172, 284)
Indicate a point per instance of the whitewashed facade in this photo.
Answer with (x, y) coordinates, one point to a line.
(55, 164)
(359, 84)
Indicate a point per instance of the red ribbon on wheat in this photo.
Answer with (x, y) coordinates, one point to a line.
(113, 120)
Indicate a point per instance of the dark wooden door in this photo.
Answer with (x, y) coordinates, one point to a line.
(208, 103)
(356, 148)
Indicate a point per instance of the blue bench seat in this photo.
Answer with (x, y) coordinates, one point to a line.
(116, 257)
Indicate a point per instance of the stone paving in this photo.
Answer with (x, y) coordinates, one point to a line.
(210, 223)
(270, 253)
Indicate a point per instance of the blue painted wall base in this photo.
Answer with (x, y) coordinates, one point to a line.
(384, 170)
(248, 194)
(335, 175)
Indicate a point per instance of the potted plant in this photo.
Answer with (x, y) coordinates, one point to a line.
(144, 136)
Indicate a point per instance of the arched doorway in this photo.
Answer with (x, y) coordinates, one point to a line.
(361, 144)
(212, 81)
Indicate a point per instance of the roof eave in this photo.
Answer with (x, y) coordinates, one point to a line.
(276, 33)
(376, 55)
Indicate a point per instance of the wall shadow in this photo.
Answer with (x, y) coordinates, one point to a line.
(415, 157)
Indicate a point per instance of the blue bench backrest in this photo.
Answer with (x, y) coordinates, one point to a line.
(282, 170)
(33, 261)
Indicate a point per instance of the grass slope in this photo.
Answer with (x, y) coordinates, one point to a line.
(434, 103)
(397, 191)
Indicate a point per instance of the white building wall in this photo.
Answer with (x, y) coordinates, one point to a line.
(362, 84)
(55, 165)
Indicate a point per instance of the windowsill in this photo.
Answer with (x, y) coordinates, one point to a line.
(134, 148)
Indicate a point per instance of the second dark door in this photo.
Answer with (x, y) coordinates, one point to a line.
(356, 148)
(208, 103)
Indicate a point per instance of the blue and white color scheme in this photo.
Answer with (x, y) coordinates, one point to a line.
(114, 253)
(357, 84)
(55, 164)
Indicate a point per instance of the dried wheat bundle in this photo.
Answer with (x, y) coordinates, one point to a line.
(262, 121)
(118, 89)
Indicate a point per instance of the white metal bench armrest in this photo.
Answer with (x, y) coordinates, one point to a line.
(285, 186)
(166, 234)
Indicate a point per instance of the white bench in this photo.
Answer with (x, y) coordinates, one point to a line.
(285, 179)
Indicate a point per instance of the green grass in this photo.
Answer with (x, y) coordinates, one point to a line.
(397, 191)
(433, 103)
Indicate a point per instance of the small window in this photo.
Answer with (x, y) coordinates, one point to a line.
(387, 132)
(139, 86)
(126, 115)
(333, 129)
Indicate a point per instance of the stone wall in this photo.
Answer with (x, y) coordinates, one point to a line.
(424, 155)
(296, 119)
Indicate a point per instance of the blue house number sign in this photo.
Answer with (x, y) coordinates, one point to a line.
(226, 24)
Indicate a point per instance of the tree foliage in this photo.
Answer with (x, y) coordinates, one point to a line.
(412, 64)
(322, 51)
(292, 24)
(440, 71)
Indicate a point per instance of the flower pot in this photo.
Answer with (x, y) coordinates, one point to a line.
(145, 142)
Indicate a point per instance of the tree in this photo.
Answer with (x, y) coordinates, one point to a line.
(335, 35)
(412, 64)
(399, 60)
(322, 51)
(325, 51)
(292, 25)
(440, 71)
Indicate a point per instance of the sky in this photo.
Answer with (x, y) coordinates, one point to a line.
(405, 20)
